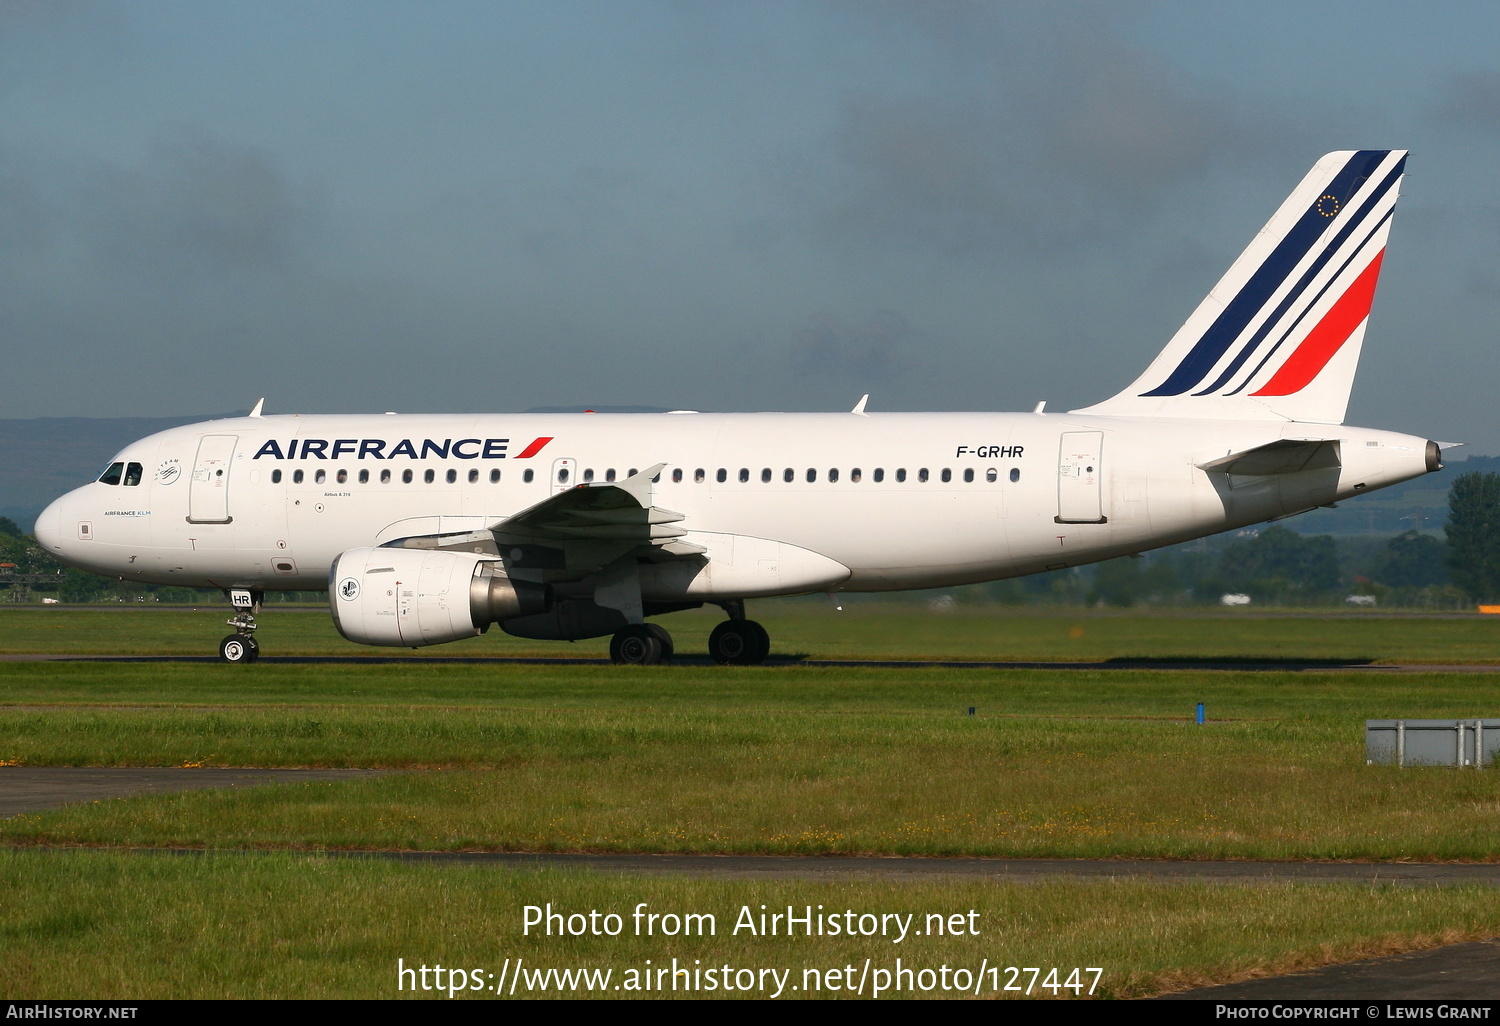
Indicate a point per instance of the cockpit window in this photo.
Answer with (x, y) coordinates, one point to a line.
(111, 475)
(132, 474)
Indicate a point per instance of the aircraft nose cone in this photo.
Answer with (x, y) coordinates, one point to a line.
(49, 527)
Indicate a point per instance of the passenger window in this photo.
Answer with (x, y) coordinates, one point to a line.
(406, 477)
(947, 475)
(812, 475)
(276, 477)
(744, 474)
(788, 474)
(992, 475)
(1015, 473)
(609, 475)
(111, 475)
(343, 475)
(879, 474)
(494, 477)
(529, 476)
(385, 477)
(922, 475)
(364, 477)
(296, 477)
(968, 474)
(677, 476)
(698, 476)
(721, 476)
(319, 477)
(473, 476)
(588, 475)
(632, 474)
(765, 475)
(854, 476)
(901, 474)
(833, 476)
(451, 477)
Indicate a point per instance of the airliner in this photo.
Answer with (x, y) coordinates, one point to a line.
(428, 529)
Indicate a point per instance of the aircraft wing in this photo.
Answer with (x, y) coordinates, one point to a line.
(1283, 456)
(597, 511)
(590, 525)
(577, 531)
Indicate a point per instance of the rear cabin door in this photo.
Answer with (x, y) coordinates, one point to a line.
(1080, 473)
(208, 491)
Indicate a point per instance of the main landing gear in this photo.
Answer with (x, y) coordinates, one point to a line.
(739, 643)
(641, 644)
(736, 642)
(241, 646)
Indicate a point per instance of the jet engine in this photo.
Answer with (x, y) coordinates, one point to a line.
(406, 598)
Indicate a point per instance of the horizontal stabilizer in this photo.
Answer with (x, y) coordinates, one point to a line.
(1283, 456)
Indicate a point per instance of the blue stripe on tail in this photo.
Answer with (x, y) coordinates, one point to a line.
(1267, 278)
(1301, 287)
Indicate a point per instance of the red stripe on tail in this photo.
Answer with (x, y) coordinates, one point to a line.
(1331, 333)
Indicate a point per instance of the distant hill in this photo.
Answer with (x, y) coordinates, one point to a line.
(43, 457)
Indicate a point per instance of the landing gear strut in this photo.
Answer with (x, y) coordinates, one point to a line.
(241, 646)
(738, 641)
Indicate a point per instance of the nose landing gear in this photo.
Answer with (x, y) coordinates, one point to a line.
(241, 646)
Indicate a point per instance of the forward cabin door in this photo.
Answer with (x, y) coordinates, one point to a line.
(1080, 473)
(208, 491)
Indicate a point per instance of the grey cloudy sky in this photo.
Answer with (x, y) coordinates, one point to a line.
(447, 206)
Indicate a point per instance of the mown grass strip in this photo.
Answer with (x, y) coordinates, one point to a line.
(867, 629)
(763, 781)
(775, 760)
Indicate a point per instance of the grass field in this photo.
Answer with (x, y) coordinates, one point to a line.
(786, 759)
(279, 926)
(776, 760)
(867, 629)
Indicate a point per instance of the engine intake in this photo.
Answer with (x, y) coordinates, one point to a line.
(406, 598)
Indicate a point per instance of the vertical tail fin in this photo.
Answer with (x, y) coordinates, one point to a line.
(1279, 336)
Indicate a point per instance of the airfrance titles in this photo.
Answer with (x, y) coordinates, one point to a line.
(381, 449)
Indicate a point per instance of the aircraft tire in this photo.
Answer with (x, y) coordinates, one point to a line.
(238, 649)
(635, 645)
(661, 635)
(739, 643)
(762, 643)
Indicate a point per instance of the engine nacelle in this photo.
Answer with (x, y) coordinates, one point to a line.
(406, 598)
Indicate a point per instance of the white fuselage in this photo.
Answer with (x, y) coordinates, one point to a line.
(874, 502)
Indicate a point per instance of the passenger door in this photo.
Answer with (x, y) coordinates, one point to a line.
(208, 491)
(1080, 476)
